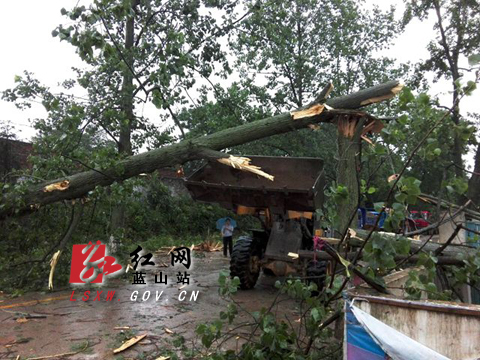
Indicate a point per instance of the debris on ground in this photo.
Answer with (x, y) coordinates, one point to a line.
(62, 355)
(121, 328)
(209, 246)
(206, 246)
(35, 302)
(129, 343)
(53, 264)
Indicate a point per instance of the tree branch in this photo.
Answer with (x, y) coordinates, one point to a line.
(81, 183)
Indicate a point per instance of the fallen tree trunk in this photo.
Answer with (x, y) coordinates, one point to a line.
(324, 256)
(80, 184)
(451, 251)
(448, 205)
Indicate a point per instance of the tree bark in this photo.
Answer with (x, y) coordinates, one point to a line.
(78, 185)
(451, 55)
(349, 147)
(474, 182)
(450, 252)
(117, 220)
(324, 256)
(449, 206)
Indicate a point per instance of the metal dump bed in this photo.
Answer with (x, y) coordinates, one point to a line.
(298, 184)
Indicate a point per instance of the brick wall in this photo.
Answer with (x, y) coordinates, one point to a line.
(14, 155)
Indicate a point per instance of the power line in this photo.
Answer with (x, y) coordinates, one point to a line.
(13, 123)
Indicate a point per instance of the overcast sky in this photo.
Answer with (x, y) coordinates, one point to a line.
(27, 44)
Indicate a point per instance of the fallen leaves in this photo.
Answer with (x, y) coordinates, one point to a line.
(168, 331)
(59, 186)
(129, 343)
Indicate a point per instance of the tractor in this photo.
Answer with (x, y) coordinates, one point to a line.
(285, 206)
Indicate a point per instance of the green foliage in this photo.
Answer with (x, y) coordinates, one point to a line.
(272, 336)
(470, 272)
(432, 163)
(154, 218)
(334, 195)
(474, 59)
(284, 59)
(298, 56)
(380, 252)
(285, 52)
(458, 33)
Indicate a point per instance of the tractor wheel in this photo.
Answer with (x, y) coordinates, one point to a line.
(316, 273)
(245, 262)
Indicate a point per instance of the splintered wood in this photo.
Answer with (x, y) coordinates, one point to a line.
(243, 163)
(206, 246)
(53, 264)
(347, 126)
(311, 111)
(372, 125)
(129, 343)
(209, 246)
(60, 186)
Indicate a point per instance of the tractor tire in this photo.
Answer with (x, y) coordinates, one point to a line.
(245, 262)
(316, 273)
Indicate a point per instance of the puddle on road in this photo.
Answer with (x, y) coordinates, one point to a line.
(69, 324)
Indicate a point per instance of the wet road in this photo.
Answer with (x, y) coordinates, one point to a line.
(69, 326)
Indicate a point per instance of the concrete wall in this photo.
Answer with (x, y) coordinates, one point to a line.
(452, 329)
(447, 229)
(451, 334)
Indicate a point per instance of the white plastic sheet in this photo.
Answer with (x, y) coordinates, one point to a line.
(397, 345)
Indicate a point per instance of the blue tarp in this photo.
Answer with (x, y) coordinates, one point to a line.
(360, 345)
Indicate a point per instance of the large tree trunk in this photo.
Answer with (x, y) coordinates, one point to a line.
(474, 182)
(80, 184)
(349, 147)
(457, 143)
(125, 143)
